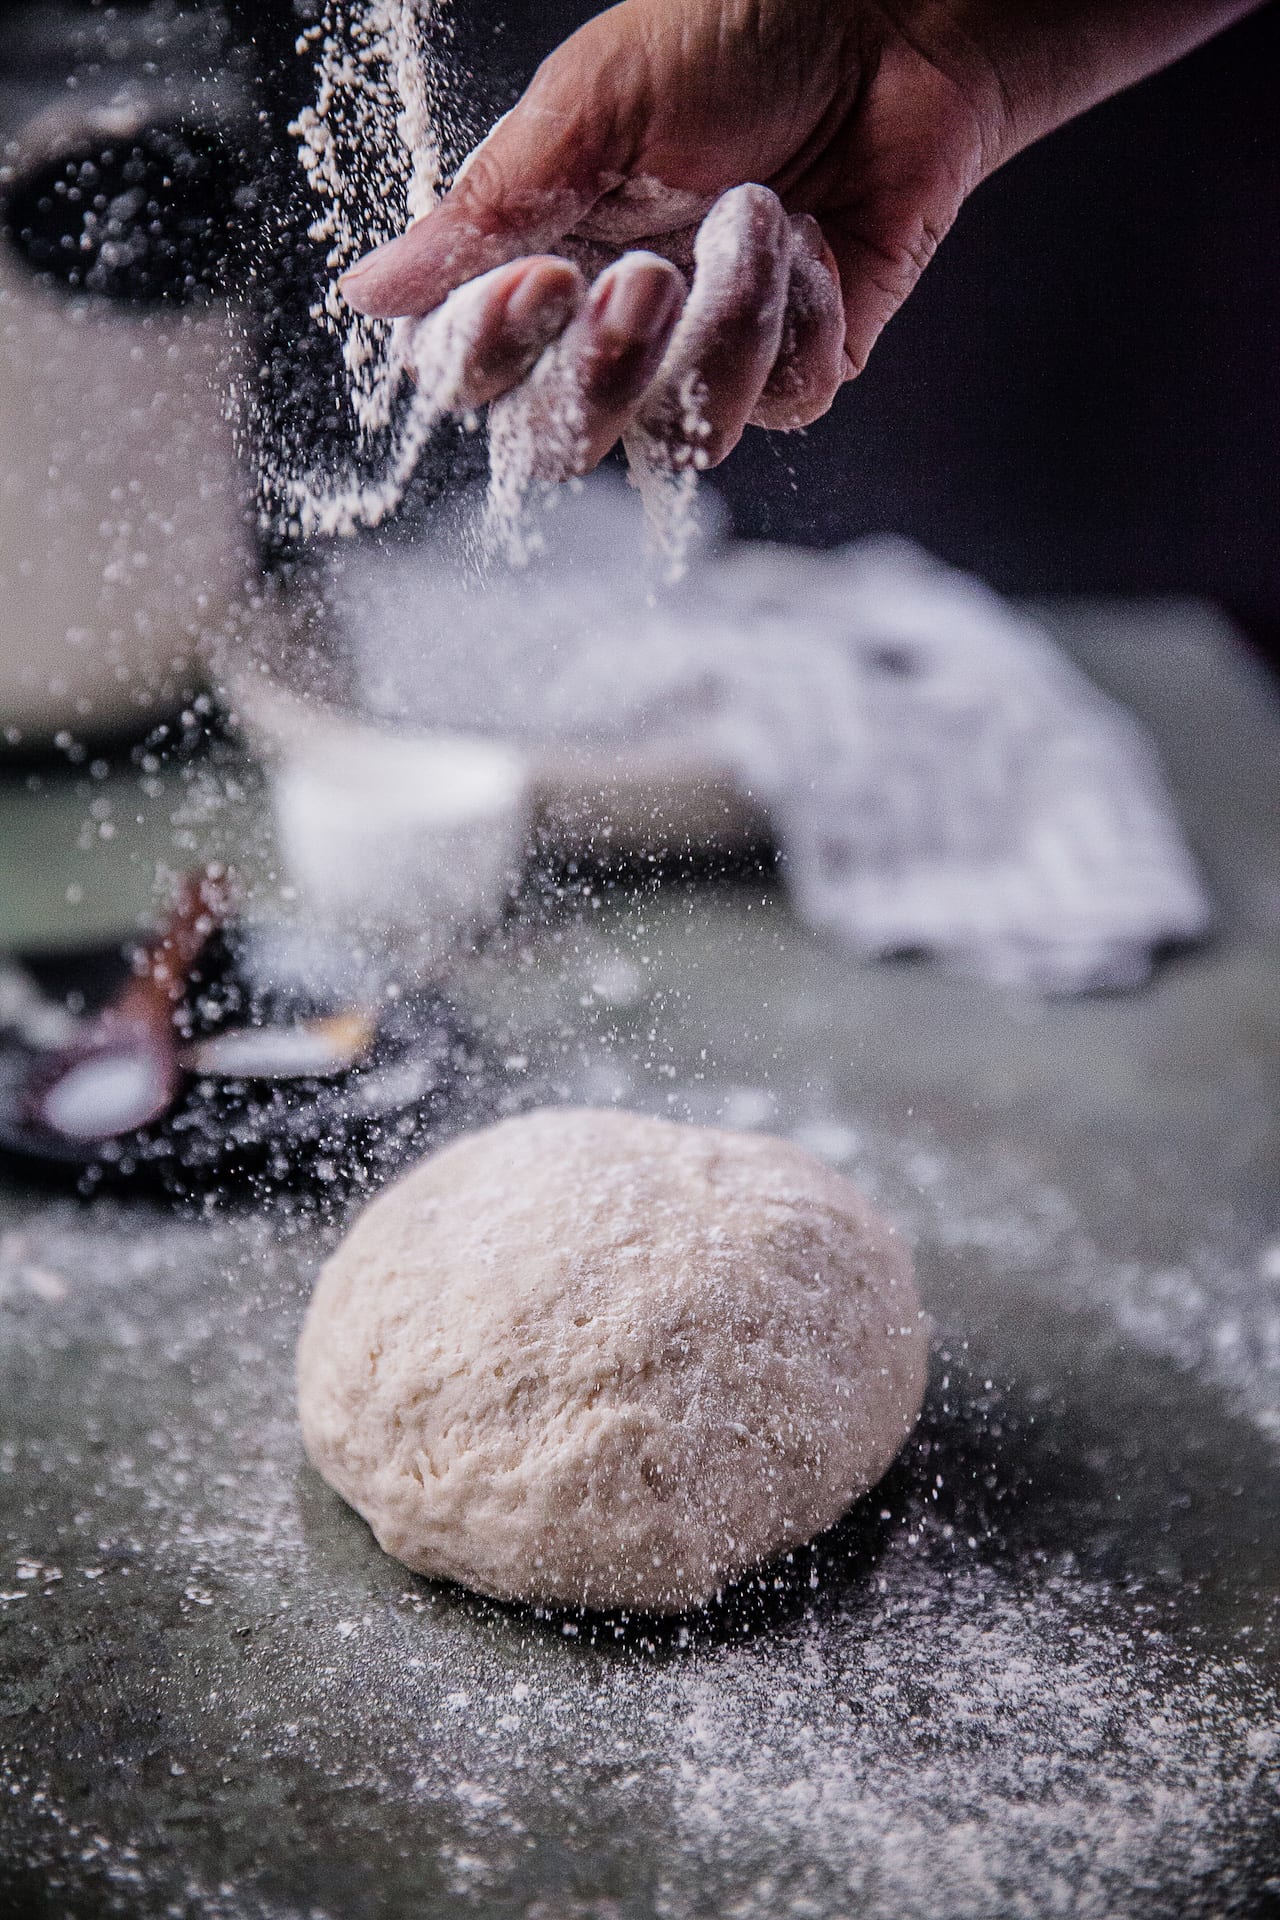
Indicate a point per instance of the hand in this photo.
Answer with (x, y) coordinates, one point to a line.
(787, 171)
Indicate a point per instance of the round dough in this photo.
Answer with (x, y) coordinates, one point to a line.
(590, 1358)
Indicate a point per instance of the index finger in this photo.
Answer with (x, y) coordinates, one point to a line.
(528, 184)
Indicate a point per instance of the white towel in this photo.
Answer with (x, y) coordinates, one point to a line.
(938, 777)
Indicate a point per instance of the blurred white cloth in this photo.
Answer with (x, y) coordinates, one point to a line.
(938, 778)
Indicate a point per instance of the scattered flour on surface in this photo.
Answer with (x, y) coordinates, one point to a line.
(945, 1733)
(1060, 1771)
(1214, 1312)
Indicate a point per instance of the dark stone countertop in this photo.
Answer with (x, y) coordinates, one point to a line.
(1035, 1673)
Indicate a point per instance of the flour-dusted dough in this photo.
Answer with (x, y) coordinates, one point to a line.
(592, 1358)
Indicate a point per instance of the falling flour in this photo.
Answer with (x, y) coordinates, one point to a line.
(372, 138)
(371, 149)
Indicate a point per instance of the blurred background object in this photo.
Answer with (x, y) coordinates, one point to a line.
(933, 775)
(123, 539)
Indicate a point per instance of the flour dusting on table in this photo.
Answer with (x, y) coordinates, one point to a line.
(931, 1716)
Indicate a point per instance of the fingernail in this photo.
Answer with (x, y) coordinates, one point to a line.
(807, 233)
(637, 302)
(544, 302)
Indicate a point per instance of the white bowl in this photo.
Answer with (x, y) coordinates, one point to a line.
(407, 843)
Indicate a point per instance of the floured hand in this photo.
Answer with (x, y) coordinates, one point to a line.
(702, 213)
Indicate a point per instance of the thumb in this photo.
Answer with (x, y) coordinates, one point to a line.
(528, 184)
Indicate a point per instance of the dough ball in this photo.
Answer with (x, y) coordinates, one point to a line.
(590, 1358)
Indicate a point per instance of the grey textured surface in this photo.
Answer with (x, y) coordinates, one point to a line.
(1035, 1674)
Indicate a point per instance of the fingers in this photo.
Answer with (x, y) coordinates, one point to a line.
(725, 346)
(625, 331)
(812, 364)
(484, 338)
(761, 339)
(456, 242)
(580, 396)
(527, 185)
